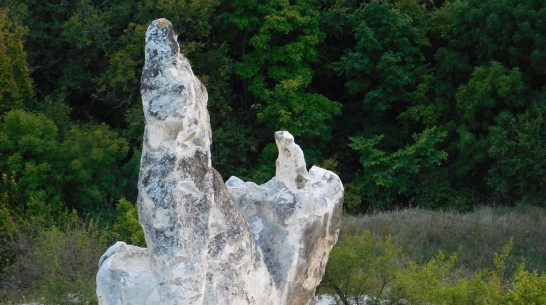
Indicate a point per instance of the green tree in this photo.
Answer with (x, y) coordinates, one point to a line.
(492, 91)
(282, 39)
(91, 157)
(517, 145)
(510, 32)
(391, 104)
(15, 84)
(361, 269)
(383, 63)
(29, 146)
(84, 169)
(127, 224)
(389, 175)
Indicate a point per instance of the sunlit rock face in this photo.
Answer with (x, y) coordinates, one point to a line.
(210, 242)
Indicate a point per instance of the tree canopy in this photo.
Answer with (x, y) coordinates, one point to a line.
(431, 103)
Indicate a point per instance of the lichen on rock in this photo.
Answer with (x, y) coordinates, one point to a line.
(210, 242)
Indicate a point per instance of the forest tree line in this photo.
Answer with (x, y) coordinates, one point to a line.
(436, 104)
(429, 103)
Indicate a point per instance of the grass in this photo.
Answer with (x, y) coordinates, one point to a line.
(475, 236)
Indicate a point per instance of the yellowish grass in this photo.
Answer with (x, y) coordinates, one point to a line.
(475, 237)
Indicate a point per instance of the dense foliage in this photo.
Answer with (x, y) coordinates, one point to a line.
(438, 104)
(364, 270)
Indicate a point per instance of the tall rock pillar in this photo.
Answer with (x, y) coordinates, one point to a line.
(208, 243)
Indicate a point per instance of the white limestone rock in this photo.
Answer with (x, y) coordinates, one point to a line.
(207, 244)
(125, 276)
(295, 219)
(200, 247)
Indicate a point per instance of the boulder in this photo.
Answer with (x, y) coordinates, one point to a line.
(125, 276)
(209, 242)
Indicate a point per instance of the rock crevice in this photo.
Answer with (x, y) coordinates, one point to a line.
(210, 242)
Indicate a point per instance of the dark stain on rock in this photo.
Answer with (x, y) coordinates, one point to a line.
(195, 168)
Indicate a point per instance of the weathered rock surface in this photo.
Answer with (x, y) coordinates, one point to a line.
(210, 242)
(125, 276)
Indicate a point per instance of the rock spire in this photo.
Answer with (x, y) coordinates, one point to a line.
(210, 242)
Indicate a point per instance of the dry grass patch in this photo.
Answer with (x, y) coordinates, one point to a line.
(475, 237)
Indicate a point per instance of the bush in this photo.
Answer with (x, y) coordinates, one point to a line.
(437, 282)
(58, 265)
(127, 224)
(518, 147)
(361, 268)
(364, 269)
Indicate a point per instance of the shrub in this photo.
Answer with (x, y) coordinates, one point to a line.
(58, 265)
(127, 224)
(364, 269)
(361, 268)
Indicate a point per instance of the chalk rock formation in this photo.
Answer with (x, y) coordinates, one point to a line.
(295, 220)
(125, 276)
(209, 243)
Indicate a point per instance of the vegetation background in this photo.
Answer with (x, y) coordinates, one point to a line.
(414, 103)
